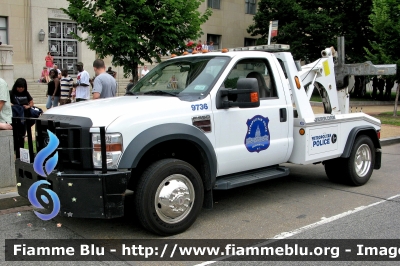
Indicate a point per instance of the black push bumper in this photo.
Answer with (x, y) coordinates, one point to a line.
(84, 194)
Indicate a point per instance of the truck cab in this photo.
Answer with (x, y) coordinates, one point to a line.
(194, 124)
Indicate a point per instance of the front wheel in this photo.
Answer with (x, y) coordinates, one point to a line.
(169, 196)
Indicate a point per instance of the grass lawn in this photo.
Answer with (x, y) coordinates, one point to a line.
(316, 98)
(389, 119)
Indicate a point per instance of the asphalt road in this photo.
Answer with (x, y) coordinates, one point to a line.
(261, 211)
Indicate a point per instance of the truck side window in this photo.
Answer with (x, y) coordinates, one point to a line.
(282, 66)
(254, 68)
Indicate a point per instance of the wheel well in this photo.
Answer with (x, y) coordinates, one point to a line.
(184, 150)
(370, 132)
(372, 135)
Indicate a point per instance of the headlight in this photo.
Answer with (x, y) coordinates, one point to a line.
(113, 149)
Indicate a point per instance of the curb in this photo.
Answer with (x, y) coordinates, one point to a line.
(390, 141)
(8, 195)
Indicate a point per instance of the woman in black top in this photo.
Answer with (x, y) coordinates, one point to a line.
(53, 90)
(19, 94)
(21, 102)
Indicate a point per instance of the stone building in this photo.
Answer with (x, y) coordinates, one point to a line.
(31, 28)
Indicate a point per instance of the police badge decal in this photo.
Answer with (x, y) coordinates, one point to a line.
(257, 137)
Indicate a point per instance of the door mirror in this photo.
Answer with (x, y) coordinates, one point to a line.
(245, 96)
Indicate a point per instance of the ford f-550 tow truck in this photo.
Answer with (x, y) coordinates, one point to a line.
(226, 119)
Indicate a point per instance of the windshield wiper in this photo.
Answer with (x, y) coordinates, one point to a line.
(131, 93)
(160, 92)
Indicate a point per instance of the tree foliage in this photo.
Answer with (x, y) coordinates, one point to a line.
(385, 21)
(135, 30)
(310, 26)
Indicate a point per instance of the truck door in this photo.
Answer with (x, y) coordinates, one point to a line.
(250, 138)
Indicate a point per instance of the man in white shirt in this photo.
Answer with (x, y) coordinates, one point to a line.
(58, 71)
(144, 71)
(204, 46)
(82, 84)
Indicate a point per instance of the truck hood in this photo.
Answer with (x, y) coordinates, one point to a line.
(103, 112)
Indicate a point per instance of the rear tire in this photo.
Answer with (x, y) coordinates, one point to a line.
(357, 169)
(169, 196)
(360, 164)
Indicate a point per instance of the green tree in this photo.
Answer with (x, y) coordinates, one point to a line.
(135, 30)
(385, 20)
(310, 26)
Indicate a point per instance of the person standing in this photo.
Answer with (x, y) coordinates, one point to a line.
(381, 87)
(53, 90)
(211, 47)
(49, 61)
(199, 46)
(374, 87)
(104, 85)
(205, 46)
(82, 84)
(58, 71)
(66, 87)
(5, 106)
(21, 102)
(144, 72)
(389, 86)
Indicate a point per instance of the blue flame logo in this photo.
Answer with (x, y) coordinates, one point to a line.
(45, 198)
(39, 199)
(44, 153)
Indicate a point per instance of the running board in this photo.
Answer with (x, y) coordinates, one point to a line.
(250, 177)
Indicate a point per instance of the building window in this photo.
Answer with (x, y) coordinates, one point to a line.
(3, 30)
(251, 6)
(63, 47)
(249, 42)
(216, 4)
(215, 39)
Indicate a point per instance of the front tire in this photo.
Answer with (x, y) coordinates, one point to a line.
(169, 196)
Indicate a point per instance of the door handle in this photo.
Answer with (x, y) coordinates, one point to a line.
(283, 114)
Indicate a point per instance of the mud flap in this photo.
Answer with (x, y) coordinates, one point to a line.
(378, 159)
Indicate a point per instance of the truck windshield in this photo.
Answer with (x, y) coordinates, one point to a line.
(183, 76)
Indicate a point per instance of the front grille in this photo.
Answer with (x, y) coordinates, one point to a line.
(75, 148)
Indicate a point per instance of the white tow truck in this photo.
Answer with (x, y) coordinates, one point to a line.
(203, 122)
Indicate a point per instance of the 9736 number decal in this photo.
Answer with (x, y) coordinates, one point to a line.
(197, 107)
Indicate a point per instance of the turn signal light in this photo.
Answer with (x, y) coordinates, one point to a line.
(254, 97)
(109, 147)
(302, 131)
(378, 133)
(296, 79)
